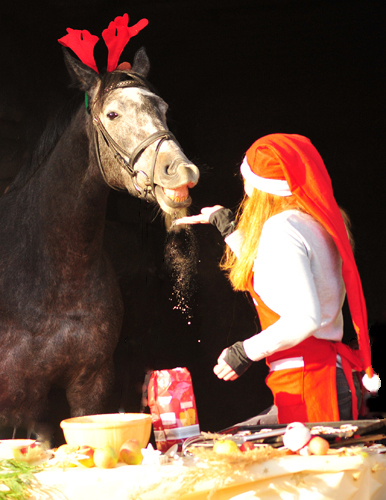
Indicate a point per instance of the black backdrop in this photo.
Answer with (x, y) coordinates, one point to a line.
(231, 71)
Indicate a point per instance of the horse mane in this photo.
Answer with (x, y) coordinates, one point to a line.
(57, 125)
(53, 131)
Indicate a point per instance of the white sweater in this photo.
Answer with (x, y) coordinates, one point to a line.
(298, 275)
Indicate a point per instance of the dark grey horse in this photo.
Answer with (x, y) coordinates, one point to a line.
(60, 305)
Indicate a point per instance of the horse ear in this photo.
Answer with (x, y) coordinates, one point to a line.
(141, 63)
(82, 76)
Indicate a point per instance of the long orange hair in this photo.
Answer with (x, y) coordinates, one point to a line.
(251, 216)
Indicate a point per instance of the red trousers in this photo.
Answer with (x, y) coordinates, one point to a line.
(308, 393)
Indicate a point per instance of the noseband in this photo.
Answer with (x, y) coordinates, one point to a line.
(120, 154)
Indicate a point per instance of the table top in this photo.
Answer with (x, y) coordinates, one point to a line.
(361, 476)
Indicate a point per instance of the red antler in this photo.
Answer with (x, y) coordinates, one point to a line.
(117, 35)
(82, 42)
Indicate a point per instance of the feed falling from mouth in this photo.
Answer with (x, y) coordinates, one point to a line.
(181, 260)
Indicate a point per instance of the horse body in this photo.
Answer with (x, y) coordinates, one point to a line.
(60, 305)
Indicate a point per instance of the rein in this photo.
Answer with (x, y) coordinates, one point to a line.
(121, 154)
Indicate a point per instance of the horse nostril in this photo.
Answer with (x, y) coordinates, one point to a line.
(171, 169)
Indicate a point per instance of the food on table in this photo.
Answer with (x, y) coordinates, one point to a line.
(67, 456)
(225, 446)
(247, 446)
(86, 456)
(66, 449)
(106, 457)
(130, 452)
(318, 446)
(345, 429)
(30, 454)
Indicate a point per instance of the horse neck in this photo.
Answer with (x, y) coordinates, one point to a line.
(70, 192)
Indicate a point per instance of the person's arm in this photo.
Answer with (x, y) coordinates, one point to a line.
(232, 362)
(284, 281)
(224, 220)
(201, 218)
(223, 370)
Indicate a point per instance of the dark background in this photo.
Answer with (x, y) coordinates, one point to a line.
(231, 71)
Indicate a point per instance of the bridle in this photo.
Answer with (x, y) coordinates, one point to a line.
(120, 154)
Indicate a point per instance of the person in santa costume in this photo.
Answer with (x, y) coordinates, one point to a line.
(290, 248)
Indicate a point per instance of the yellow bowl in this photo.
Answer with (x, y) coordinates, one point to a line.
(111, 429)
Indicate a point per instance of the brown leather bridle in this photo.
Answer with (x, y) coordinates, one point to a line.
(121, 154)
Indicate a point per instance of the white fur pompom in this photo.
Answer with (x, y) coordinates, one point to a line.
(296, 436)
(372, 384)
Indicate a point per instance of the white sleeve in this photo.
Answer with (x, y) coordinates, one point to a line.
(235, 241)
(284, 282)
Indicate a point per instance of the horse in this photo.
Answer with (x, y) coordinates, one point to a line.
(60, 305)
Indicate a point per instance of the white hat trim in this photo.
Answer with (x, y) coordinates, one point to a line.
(272, 186)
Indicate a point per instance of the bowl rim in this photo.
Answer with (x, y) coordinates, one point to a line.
(17, 443)
(71, 423)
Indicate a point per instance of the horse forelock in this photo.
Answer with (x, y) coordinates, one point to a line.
(111, 81)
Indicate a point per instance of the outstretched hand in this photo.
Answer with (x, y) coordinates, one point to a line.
(223, 370)
(202, 218)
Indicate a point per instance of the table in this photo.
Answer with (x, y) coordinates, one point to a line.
(330, 477)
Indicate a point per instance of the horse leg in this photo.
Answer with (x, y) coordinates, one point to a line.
(88, 392)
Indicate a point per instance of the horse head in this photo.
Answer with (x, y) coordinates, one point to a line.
(134, 148)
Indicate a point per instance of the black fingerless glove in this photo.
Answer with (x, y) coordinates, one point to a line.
(237, 358)
(224, 220)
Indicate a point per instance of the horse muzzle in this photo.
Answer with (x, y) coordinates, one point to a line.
(172, 186)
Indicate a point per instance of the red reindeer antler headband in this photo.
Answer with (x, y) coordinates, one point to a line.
(116, 37)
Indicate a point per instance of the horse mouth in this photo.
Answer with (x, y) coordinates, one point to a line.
(178, 195)
(172, 199)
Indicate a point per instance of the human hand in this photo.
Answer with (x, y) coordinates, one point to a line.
(202, 218)
(223, 370)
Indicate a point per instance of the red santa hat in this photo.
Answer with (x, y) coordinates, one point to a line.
(284, 165)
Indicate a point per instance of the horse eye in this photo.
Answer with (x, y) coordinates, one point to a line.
(112, 115)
